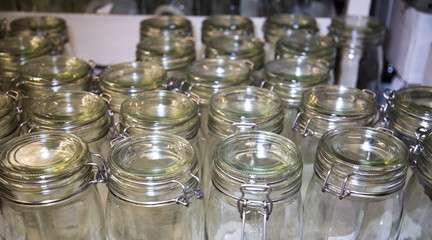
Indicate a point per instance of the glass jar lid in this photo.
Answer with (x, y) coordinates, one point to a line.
(257, 159)
(160, 111)
(41, 168)
(166, 26)
(349, 29)
(237, 48)
(208, 76)
(55, 70)
(82, 113)
(279, 25)
(290, 77)
(172, 52)
(361, 161)
(151, 167)
(328, 107)
(50, 26)
(219, 25)
(307, 45)
(245, 108)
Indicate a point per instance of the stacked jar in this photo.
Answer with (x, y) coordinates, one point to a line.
(52, 27)
(280, 25)
(324, 108)
(15, 52)
(129, 79)
(289, 78)
(154, 189)
(356, 190)
(10, 116)
(360, 57)
(48, 188)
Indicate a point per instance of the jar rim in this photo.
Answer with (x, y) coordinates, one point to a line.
(37, 23)
(237, 45)
(411, 100)
(306, 44)
(297, 71)
(166, 22)
(24, 46)
(167, 46)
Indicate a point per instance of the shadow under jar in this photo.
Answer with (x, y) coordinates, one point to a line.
(48, 191)
(356, 190)
(255, 191)
(154, 189)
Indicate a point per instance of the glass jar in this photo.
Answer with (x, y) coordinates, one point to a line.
(160, 111)
(238, 109)
(10, 116)
(15, 52)
(323, 108)
(48, 188)
(154, 189)
(356, 190)
(239, 48)
(359, 60)
(406, 110)
(255, 191)
(209, 76)
(166, 26)
(283, 24)
(289, 78)
(50, 74)
(52, 27)
(174, 53)
(128, 79)
(226, 25)
(417, 209)
(307, 45)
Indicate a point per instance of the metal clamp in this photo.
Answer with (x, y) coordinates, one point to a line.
(343, 193)
(369, 92)
(242, 204)
(250, 64)
(101, 174)
(415, 150)
(236, 125)
(306, 131)
(384, 109)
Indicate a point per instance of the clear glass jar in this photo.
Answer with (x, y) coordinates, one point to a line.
(166, 26)
(154, 189)
(174, 53)
(160, 111)
(356, 190)
(307, 45)
(406, 110)
(48, 192)
(209, 76)
(239, 48)
(10, 116)
(15, 52)
(323, 108)
(50, 74)
(280, 25)
(289, 78)
(417, 209)
(226, 25)
(238, 109)
(255, 191)
(52, 27)
(359, 61)
(128, 79)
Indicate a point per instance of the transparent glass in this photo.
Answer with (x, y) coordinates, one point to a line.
(408, 109)
(168, 7)
(238, 109)
(47, 188)
(324, 108)
(128, 79)
(15, 52)
(166, 26)
(356, 189)
(283, 24)
(416, 222)
(154, 191)
(9, 117)
(174, 53)
(289, 78)
(219, 25)
(359, 61)
(256, 180)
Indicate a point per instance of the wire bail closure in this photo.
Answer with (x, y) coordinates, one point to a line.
(343, 192)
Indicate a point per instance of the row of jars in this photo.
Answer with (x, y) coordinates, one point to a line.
(256, 160)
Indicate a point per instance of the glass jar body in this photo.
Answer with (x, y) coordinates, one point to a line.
(223, 220)
(137, 221)
(325, 216)
(78, 217)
